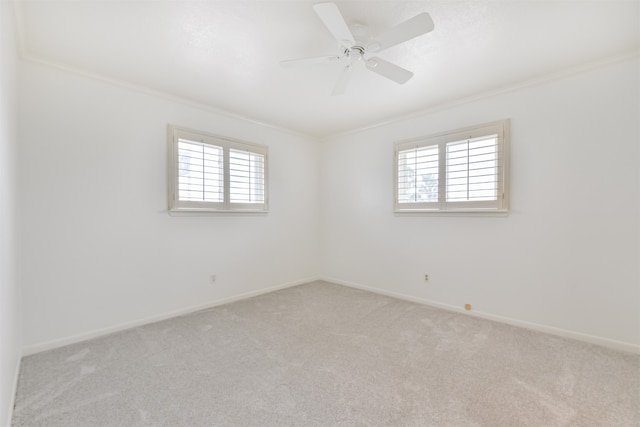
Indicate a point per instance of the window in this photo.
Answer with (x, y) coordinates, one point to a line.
(210, 173)
(460, 171)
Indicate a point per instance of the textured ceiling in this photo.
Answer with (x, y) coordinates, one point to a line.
(226, 54)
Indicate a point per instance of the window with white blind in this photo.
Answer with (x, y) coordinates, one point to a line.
(460, 171)
(212, 174)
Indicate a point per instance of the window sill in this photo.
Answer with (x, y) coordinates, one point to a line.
(459, 212)
(210, 212)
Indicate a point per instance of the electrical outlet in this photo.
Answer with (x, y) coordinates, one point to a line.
(426, 277)
(212, 279)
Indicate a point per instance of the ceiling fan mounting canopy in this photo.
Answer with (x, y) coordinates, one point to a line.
(353, 50)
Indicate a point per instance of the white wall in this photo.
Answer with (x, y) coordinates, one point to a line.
(10, 341)
(98, 249)
(98, 246)
(568, 254)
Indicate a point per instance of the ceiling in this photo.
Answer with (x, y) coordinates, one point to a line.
(225, 54)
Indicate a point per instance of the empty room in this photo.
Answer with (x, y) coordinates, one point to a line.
(319, 213)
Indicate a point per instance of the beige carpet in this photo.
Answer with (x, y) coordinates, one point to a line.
(326, 355)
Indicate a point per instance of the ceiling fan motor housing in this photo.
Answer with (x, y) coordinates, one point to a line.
(354, 53)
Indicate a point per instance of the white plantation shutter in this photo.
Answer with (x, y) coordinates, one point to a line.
(464, 170)
(472, 168)
(211, 174)
(200, 172)
(246, 176)
(418, 175)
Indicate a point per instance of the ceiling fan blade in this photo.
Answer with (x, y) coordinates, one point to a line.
(312, 60)
(414, 27)
(334, 21)
(343, 80)
(389, 70)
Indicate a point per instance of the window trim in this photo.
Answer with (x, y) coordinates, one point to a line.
(174, 134)
(498, 207)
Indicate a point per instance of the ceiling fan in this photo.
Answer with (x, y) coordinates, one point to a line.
(359, 49)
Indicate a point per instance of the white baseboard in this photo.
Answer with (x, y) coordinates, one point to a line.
(37, 348)
(591, 339)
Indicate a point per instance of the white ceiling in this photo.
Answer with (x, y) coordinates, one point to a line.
(226, 54)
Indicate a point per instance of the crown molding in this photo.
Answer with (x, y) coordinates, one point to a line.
(536, 81)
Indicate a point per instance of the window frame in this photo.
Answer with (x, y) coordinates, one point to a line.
(177, 133)
(500, 128)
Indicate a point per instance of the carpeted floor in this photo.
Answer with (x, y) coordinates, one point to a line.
(325, 355)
